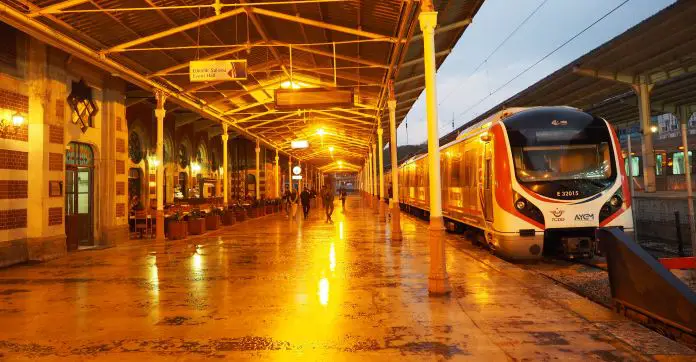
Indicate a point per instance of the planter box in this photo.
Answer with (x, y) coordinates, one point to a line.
(177, 230)
(228, 218)
(240, 215)
(269, 210)
(253, 212)
(196, 227)
(212, 222)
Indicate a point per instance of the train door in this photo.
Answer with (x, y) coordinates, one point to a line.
(487, 182)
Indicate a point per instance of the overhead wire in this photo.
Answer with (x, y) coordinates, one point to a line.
(500, 45)
(524, 71)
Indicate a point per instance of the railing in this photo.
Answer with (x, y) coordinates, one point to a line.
(641, 286)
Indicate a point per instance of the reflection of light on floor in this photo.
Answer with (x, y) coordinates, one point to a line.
(324, 291)
(197, 262)
(154, 274)
(332, 257)
(481, 296)
(340, 230)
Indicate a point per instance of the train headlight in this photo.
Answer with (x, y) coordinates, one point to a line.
(520, 204)
(615, 201)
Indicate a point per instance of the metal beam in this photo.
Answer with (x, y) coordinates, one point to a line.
(613, 76)
(257, 115)
(446, 28)
(182, 121)
(321, 24)
(247, 106)
(271, 121)
(338, 56)
(175, 30)
(218, 55)
(56, 7)
(420, 60)
(330, 114)
(409, 79)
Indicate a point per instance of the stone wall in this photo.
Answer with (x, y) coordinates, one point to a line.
(32, 155)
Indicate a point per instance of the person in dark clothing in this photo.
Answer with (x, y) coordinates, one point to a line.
(286, 200)
(327, 196)
(342, 194)
(294, 198)
(305, 197)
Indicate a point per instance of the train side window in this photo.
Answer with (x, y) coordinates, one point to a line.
(471, 167)
(455, 176)
(487, 180)
(467, 168)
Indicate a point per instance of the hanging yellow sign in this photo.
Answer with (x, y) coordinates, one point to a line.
(212, 70)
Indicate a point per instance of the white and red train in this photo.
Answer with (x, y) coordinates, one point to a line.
(528, 181)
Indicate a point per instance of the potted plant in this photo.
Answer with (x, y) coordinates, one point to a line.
(212, 220)
(253, 210)
(269, 207)
(177, 227)
(228, 217)
(196, 224)
(239, 213)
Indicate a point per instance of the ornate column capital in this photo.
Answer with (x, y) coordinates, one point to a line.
(428, 22)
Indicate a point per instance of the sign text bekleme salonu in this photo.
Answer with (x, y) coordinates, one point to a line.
(212, 70)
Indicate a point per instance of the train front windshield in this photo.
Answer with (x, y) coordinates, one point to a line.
(562, 162)
(566, 154)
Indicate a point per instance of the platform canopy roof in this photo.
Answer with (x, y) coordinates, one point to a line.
(660, 50)
(357, 45)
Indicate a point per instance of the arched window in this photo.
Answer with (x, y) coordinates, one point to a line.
(183, 156)
(135, 147)
(79, 154)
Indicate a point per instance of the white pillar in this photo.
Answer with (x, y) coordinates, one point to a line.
(370, 194)
(290, 173)
(684, 114)
(160, 112)
(375, 177)
(277, 175)
(643, 90)
(394, 201)
(438, 281)
(225, 180)
(258, 173)
(380, 157)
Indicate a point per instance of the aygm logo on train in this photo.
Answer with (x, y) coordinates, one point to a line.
(557, 215)
(584, 217)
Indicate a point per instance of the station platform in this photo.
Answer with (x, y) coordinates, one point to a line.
(275, 289)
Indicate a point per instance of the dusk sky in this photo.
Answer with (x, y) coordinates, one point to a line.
(556, 21)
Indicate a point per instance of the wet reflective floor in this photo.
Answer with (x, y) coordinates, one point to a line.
(275, 289)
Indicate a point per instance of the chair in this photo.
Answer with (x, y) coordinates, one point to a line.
(142, 223)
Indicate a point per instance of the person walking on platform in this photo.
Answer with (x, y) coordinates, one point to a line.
(342, 194)
(286, 201)
(293, 204)
(327, 196)
(305, 198)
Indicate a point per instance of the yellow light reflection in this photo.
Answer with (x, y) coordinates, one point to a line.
(332, 257)
(481, 296)
(340, 231)
(197, 262)
(324, 291)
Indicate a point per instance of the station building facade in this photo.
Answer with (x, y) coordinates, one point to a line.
(73, 155)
